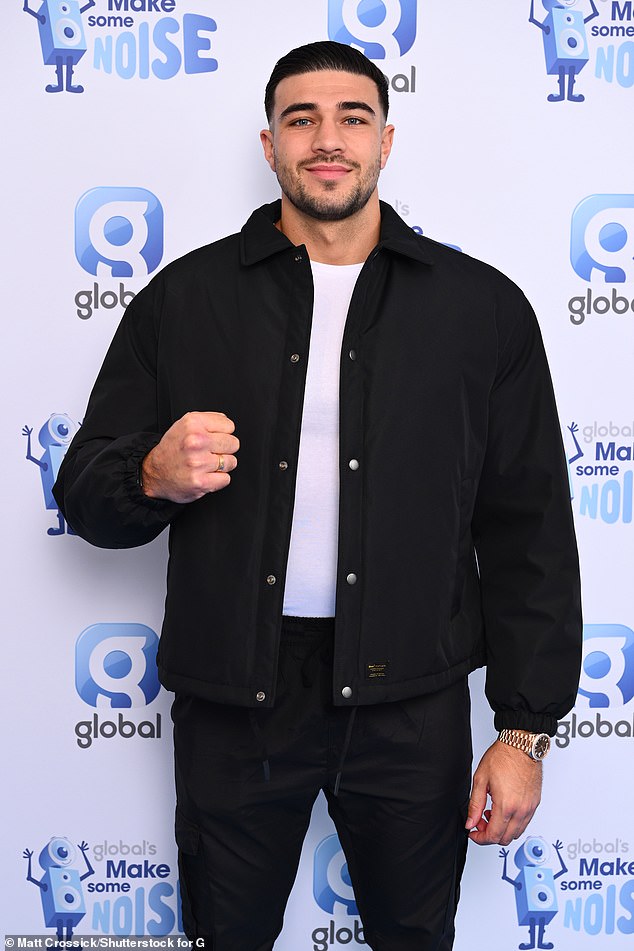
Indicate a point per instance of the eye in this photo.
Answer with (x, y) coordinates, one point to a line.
(354, 120)
(302, 123)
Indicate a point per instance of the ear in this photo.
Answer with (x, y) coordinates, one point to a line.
(387, 138)
(266, 138)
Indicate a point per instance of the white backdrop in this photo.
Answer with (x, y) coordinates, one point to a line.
(172, 105)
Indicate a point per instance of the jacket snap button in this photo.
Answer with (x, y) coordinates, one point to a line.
(346, 693)
(351, 578)
(283, 465)
(271, 579)
(298, 258)
(353, 354)
(260, 696)
(294, 357)
(354, 464)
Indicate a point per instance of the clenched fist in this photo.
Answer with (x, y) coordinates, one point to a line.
(194, 457)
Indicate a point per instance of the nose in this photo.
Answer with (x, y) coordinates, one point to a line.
(328, 137)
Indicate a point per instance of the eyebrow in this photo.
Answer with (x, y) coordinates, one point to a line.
(313, 107)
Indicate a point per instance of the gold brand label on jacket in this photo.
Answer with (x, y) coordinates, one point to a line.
(375, 671)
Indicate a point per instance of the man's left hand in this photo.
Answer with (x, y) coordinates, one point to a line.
(514, 782)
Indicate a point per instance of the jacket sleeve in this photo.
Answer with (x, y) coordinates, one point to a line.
(524, 537)
(98, 488)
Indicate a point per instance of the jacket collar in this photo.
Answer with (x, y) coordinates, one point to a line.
(260, 239)
(398, 236)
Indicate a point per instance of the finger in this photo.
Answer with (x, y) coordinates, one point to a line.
(197, 444)
(478, 830)
(477, 803)
(485, 837)
(499, 826)
(503, 826)
(483, 822)
(216, 481)
(221, 462)
(492, 831)
(222, 442)
(217, 423)
(211, 482)
(511, 826)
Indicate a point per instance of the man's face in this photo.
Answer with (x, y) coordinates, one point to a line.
(327, 142)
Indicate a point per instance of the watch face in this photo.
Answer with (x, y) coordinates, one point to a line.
(541, 746)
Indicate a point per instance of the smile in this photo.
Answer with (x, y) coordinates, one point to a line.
(328, 172)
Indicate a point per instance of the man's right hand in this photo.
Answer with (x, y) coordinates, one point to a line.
(183, 466)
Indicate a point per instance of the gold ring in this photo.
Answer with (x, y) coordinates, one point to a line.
(221, 464)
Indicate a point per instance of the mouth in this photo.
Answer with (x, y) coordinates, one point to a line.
(328, 172)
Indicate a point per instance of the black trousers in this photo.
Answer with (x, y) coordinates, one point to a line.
(246, 782)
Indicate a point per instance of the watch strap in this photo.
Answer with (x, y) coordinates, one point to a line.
(535, 745)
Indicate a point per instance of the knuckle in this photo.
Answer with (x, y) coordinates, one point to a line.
(197, 482)
(191, 442)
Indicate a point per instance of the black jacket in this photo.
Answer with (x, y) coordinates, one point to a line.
(447, 404)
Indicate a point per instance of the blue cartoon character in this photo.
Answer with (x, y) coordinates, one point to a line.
(535, 890)
(565, 43)
(55, 437)
(574, 429)
(60, 887)
(62, 38)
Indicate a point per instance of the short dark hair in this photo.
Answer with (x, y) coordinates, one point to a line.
(314, 57)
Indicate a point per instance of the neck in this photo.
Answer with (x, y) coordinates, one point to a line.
(334, 242)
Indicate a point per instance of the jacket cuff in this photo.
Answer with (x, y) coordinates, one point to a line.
(144, 444)
(525, 720)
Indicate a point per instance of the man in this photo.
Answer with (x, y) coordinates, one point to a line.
(395, 417)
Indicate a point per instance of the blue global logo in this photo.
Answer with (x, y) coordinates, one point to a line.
(607, 673)
(382, 29)
(602, 238)
(119, 232)
(332, 887)
(115, 665)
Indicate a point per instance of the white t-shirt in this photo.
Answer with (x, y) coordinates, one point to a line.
(312, 562)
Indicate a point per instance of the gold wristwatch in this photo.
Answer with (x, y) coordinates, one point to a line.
(535, 745)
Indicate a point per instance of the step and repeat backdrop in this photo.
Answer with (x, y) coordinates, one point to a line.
(131, 136)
